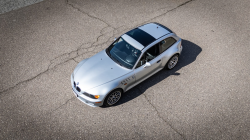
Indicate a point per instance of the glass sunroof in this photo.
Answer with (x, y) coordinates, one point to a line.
(141, 36)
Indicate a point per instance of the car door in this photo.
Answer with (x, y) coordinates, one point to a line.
(151, 56)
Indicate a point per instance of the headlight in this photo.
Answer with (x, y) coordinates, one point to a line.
(91, 96)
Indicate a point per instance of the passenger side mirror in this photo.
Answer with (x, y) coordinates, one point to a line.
(147, 65)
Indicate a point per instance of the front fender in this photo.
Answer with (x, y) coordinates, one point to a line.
(103, 90)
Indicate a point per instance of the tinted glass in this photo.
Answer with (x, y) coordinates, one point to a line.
(149, 55)
(141, 62)
(166, 43)
(141, 36)
(123, 53)
(152, 52)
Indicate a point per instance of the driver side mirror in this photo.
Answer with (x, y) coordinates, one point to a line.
(147, 65)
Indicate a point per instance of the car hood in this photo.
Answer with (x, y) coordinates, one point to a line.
(98, 70)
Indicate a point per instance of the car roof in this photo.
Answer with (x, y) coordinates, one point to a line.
(147, 34)
(132, 42)
(155, 30)
(141, 36)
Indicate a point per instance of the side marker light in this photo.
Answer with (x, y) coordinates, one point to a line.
(97, 96)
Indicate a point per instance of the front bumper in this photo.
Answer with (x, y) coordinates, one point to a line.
(83, 98)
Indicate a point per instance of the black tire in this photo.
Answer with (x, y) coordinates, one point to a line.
(172, 62)
(112, 98)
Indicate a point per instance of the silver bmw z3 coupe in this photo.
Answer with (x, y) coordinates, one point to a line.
(102, 79)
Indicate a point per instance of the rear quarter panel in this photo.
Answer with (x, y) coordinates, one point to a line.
(166, 55)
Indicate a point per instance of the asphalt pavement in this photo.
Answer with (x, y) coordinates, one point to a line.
(9, 5)
(206, 96)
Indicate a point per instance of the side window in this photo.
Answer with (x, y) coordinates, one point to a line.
(150, 54)
(166, 43)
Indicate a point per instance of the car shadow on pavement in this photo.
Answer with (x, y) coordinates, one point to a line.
(189, 54)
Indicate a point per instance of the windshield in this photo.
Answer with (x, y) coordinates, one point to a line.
(123, 53)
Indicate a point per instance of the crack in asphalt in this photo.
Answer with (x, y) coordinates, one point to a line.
(61, 59)
(71, 56)
(66, 57)
(61, 105)
(30, 79)
(177, 6)
(25, 81)
(75, 60)
(158, 114)
(91, 16)
(53, 64)
(169, 10)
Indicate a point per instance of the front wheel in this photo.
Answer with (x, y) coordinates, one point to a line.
(172, 62)
(113, 97)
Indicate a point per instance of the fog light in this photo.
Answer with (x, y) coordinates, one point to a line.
(97, 96)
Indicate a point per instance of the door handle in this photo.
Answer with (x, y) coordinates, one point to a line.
(158, 61)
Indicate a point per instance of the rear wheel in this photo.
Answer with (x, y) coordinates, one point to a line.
(113, 97)
(172, 62)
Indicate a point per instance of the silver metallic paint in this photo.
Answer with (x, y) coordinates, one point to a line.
(132, 42)
(99, 75)
(98, 70)
(154, 30)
